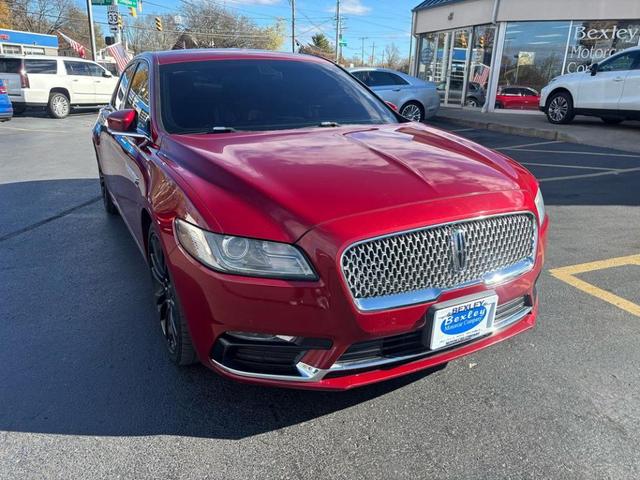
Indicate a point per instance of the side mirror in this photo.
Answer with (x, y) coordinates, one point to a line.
(123, 122)
(593, 69)
(392, 105)
(107, 74)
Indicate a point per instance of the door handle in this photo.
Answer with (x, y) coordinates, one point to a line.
(618, 79)
(75, 80)
(396, 89)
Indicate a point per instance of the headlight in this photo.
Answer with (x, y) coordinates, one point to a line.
(540, 206)
(244, 256)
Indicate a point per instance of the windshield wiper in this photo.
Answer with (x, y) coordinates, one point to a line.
(222, 130)
(328, 124)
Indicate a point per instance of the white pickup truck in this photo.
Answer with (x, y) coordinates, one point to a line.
(57, 83)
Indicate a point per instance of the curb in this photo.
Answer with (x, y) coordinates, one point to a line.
(547, 134)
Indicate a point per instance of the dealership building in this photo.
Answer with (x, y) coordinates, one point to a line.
(477, 49)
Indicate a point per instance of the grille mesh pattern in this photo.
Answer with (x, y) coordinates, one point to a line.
(424, 259)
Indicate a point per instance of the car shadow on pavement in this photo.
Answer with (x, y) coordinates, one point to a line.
(80, 348)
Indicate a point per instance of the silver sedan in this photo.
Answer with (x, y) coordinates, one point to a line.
(415, 98)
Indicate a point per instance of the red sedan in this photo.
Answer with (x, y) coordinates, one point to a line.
(518, 98)
(301, 233)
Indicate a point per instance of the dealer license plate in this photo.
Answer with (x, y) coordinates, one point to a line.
(462, 319)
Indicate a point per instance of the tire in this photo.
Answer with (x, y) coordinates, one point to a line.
(107, 201)
(172, 322)
(560, 108)
(498, 106)
(412, 111)
(58, 106)
(612, 120)
(472, 102)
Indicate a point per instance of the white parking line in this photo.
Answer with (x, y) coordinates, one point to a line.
(599, 154)
(511, 147)
(578, 167)
(589, 175)
(31, 130)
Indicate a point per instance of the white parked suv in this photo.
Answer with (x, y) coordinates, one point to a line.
(609, 90)
(57, 83)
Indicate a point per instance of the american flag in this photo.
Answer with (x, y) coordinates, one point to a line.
(121, 56)
(77, 47)
(482, 75)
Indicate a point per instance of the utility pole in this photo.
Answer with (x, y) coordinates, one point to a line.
(337, 31)
(92, 32)
(362, 56)
(373, 54)
(293, 26)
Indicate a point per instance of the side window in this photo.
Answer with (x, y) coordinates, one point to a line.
(77, 68)
(397, 79)
(41, 66)
(360, 76)
(379, 79)
(95, 70)
(622, 62)
(138, 97)
(118, 97)
(510, 91)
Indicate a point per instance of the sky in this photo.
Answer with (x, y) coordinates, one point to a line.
(381, 22)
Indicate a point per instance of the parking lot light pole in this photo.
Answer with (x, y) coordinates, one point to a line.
(337, 31)
(92, 32)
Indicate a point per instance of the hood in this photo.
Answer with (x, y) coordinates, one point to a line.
(278, 185)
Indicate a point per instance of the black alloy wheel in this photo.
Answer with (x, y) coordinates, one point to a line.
(174, 328)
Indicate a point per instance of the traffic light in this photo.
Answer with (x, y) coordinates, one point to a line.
(133, 12)
(158, 24)
(120, 22)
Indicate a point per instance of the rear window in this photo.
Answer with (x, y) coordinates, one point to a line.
(257, 94)
(10, 65)
(41, 66)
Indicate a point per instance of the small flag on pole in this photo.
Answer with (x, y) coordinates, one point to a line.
(120, 55)
(77, 47)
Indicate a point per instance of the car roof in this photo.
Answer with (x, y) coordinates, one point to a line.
(374, 69)
(44, 57)
(205, 54)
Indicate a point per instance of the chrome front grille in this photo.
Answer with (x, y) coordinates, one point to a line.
(438, 258)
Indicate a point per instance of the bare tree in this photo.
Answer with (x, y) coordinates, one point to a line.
(40, 16)
(212, 24)
(391, 55)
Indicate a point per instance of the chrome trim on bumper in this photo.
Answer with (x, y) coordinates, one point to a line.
(308, 373)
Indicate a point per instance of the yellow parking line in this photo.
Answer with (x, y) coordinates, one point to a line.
(567, 275)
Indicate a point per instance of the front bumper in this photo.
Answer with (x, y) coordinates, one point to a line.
(215, 304)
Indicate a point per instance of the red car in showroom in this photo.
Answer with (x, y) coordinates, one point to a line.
(301, 233)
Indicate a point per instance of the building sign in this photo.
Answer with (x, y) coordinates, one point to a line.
(593, 41)
(28, 38)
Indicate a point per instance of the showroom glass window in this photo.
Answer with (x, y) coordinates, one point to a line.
(593, 41)
(533, 53)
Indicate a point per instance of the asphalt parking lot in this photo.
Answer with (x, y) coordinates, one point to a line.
(86, 390)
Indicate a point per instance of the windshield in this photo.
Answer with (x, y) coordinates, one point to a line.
(258, 94)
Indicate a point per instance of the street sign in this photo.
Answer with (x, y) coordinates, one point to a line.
(112, 18)
(102, 3)
(129, 3)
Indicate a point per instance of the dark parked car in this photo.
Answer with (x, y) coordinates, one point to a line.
(475, 92)
(6, 110)
(301, 233)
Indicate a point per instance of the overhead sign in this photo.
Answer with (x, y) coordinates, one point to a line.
(128, 3)
(112, 18)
